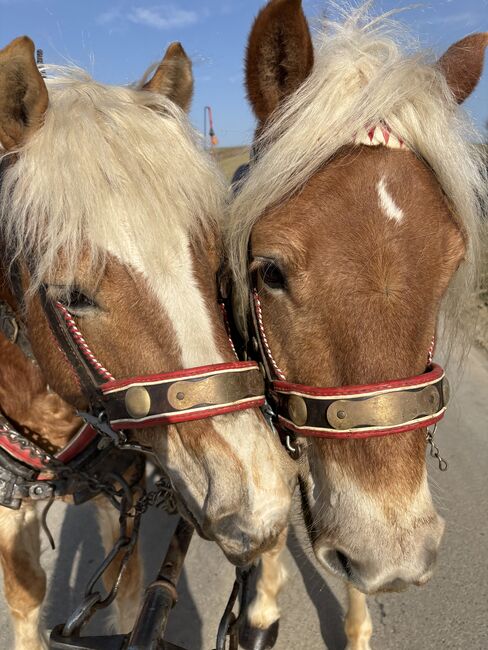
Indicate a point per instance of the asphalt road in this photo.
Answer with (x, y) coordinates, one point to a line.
(450, 612)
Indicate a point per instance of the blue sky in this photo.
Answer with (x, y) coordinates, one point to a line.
(116, 41)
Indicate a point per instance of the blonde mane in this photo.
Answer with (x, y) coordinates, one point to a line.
(112, 168)
(364, 76)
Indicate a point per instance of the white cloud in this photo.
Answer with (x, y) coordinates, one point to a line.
(108, 16)
(162, 16)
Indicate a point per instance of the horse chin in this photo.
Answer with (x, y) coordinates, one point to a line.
(396, 587)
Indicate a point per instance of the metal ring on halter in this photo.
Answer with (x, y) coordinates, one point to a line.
(101, 424)
(290, 447)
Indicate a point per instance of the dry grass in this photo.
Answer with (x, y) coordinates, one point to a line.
(230, 158)
(482, 307)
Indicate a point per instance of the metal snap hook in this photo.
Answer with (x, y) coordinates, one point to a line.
(294, 450)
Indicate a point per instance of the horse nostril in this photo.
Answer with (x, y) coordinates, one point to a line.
(345, 563)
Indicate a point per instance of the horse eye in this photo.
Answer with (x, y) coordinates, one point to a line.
(272, 276)
(76, 301)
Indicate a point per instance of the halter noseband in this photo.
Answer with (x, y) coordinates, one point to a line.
(364, 411)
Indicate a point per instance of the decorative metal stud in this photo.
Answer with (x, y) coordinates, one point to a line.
(137, 402)
(297, 409)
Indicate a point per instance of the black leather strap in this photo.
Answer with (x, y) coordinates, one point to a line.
(90, 382)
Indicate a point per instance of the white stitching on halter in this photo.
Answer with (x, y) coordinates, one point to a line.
(227, 329)
(264, 339)
(377, 136)
(430, 354)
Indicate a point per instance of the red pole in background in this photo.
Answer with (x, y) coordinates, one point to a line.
(213, 140)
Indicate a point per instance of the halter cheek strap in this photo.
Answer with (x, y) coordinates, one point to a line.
(164, 398)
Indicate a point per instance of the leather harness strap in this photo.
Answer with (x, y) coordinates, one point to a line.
(365, 411)
(20, 448)
(60, 323)
(163, 398)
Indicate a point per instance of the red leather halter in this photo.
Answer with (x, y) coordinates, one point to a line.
(163, 398)
(136, 402)
(32, 455)
(365, 411)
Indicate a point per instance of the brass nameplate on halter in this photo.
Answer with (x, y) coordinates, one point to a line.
(387, 410)
(226, 388)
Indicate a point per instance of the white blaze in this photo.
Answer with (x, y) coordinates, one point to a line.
(171, 275)
(387, 202)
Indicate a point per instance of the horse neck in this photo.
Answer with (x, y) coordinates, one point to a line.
(26, 401)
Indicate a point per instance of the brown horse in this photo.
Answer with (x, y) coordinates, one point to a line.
(110, 215)
(47, 419)
(361, 208)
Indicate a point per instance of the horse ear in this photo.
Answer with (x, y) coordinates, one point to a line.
(279, 55)
(462, 65)
(23, 93)
(173, 77)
